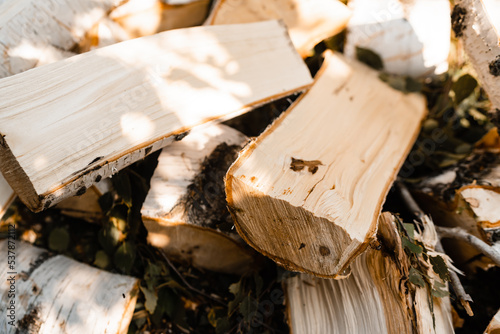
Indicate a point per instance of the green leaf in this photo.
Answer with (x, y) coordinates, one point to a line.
(59, 239)
(411, 247)
(235, 288)
(101, 259)
(152, 274)
(416, 278)
(124, 257)
(223, 326)
(109, 237)
(439, 293)
(463, 87)
(439, 266)
(410, 229)
(369, 57)
(151, 299)
(247, 308)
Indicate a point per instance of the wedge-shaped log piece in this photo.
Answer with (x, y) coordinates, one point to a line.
(55, 294)
(67, 125)
(308, 191)
(309, 21)
(185, 210)
(411, 37)
(481, 42)
(6, 195)
(375, 298)
(30, 29)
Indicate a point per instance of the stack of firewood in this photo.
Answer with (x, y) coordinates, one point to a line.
(121, 80)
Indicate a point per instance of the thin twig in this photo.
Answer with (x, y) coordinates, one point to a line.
(186, 283)
(460, 234)
(463, 296)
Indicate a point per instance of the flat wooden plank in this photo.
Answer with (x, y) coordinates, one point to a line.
(55, 294)
(309, 21)
(29, 27)
(309, 190)
(69, 124)
(185, 210)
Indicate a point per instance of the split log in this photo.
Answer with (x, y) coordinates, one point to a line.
(481, 42)
(376, 298)
(55, 294)
(185, 211)
(494, 326)
(106, 32)
(30, 30)
(309, 22)
(466, 196)
(86, 206)
(7, 195)
(146, 17)
(308, 191)
(135, 97)
(411, 37)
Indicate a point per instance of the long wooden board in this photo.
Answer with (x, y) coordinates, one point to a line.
(309, 190)
(31, 29)
(66, 125)
(55, 294)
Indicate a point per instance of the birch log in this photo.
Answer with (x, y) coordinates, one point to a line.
(55, 294)
(7, 195)
(375, 298)
(494, 326)
(308, 191)
(93, 114)
(185, 211)
(472, 24)
(309, 21)
(471, 203)
(31, 29)
(411, 37)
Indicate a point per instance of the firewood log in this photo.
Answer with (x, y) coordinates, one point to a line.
(494, 326)
(185, 211)
(308, 191)
(309, 21)
(466, 196)
(411, 37)
(55, 294)
(375, 298)
(93, 114)
(30, 29)
(6, 195)
(474, 27)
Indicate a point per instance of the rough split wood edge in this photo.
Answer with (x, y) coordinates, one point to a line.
(110, 107)
(309, 22)
(373, 299)
(292, 206)
(179, 225)
(481, 42)
(56, 294)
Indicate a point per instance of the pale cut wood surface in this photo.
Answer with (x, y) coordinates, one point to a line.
(69, 124)
(55, 294)
(28, 28)
(182, 215)
(481, 42)
(371, 300)
(411, 37)
(309, 21)
(309, 190)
